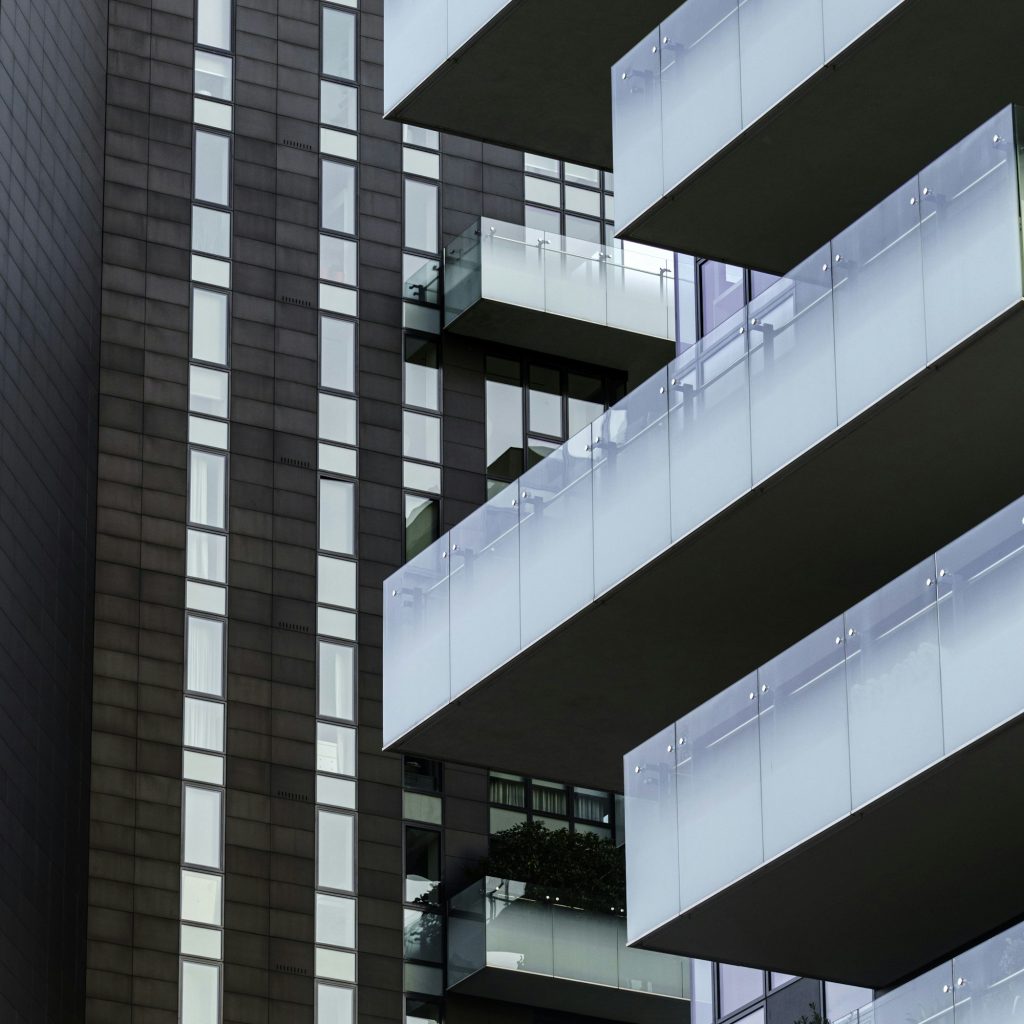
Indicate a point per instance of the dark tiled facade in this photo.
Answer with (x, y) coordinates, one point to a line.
(52, 56)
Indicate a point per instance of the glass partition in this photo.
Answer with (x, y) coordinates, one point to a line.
(421, 35)
(515, 926)
(861, 316)
(711, 70)
(900, 681)
(556, 274)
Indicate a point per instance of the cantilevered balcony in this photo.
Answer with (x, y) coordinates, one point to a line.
(508, 941)
(754, 130)
(530, 74)
(549, 293)
(863, 787)
(859, 414)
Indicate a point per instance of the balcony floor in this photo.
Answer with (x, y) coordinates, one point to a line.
(891, 103)
(911, 474)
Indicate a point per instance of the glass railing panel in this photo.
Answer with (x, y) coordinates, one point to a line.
(988, 981)
(467, 933)
(640, 295)
(928, 999)
(556, 537)
(636, 88)
(416, 41)
(467, 17)
(792, 365)
(651, 820)
(781, 44)
(574, 284)
(805, 748)
(512, 264)
(643, 971)
(709, 426)
(631, 487)
(484, 586)
(719, 791)
(463, 278)
(893, 689)
(879, 301)
(586, 946)
(416, 632)
(843, 21)
(519, 931)
(981, 594)
(971, 244)
(700, 83)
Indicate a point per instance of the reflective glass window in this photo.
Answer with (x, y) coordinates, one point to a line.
(722, 293)
(205, 656)
(211, 231)
(339, 197)
(337, 419)
(208, 391)
(206, 556)
(335, 920)
(545, 405)
(203, 726)
(202, 827)
(738, 986)
(213, 155)
(209, 326)
(339, 105)
(201, 898)
(335, 749)
(422, 865)
(337, 516)
(213, 75)
(422, 372)
(504, 402)
(337, 354)
(420, 215)
(200, 993)
(335, 850)
(213, 23)
(336, 667)
(339, 44)
(422, 523)
(334, 1005)
(206, 488)
(336, 581)
(421, 437)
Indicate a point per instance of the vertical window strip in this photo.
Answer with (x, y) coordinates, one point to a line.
(204, 709)
(335, 903)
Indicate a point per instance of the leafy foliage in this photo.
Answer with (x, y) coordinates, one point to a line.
(579, 869)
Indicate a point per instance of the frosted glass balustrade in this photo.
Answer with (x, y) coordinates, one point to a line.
(421, 35)
(508, 925)
(923, 666)
(630, 290)
(861, 316)
(711, 70)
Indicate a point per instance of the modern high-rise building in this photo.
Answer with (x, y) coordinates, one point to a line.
(445, 581)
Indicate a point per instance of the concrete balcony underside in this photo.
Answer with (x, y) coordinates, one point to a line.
(907, 476)
(841, 141)
(535, 78)
(912, 878)
(639, 355)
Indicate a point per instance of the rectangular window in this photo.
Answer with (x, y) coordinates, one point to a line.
(201, 899)
(338, 263)
(207, 488)
(335, 749)
(213, 75)
(208, 391)
(422, 524)
(337, 419)
(545, 404)
(337, 516)
(203, 727)
(206, 556)
(422, 775)
(509, 790)
(738, 986)
(203, 826)
(421, 437)
(200, 993)
(417, 477)
(540, 165)
(339, 197)
(422, 865)
(210, 326)
(722, 293)
(427, 138)
(335, 868)
(582, 175)
(336, 582)
(504, 403)
(592, 805)
(205, 657)
(213, 23)
(337, 354)
(580, 200)
(423, 936)
(213, 159)
(339, 44)
(420, 216)
(337, 680)
(547, 193)
(211, 231)
(422, 373)
(339, 105)
(335, 921)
